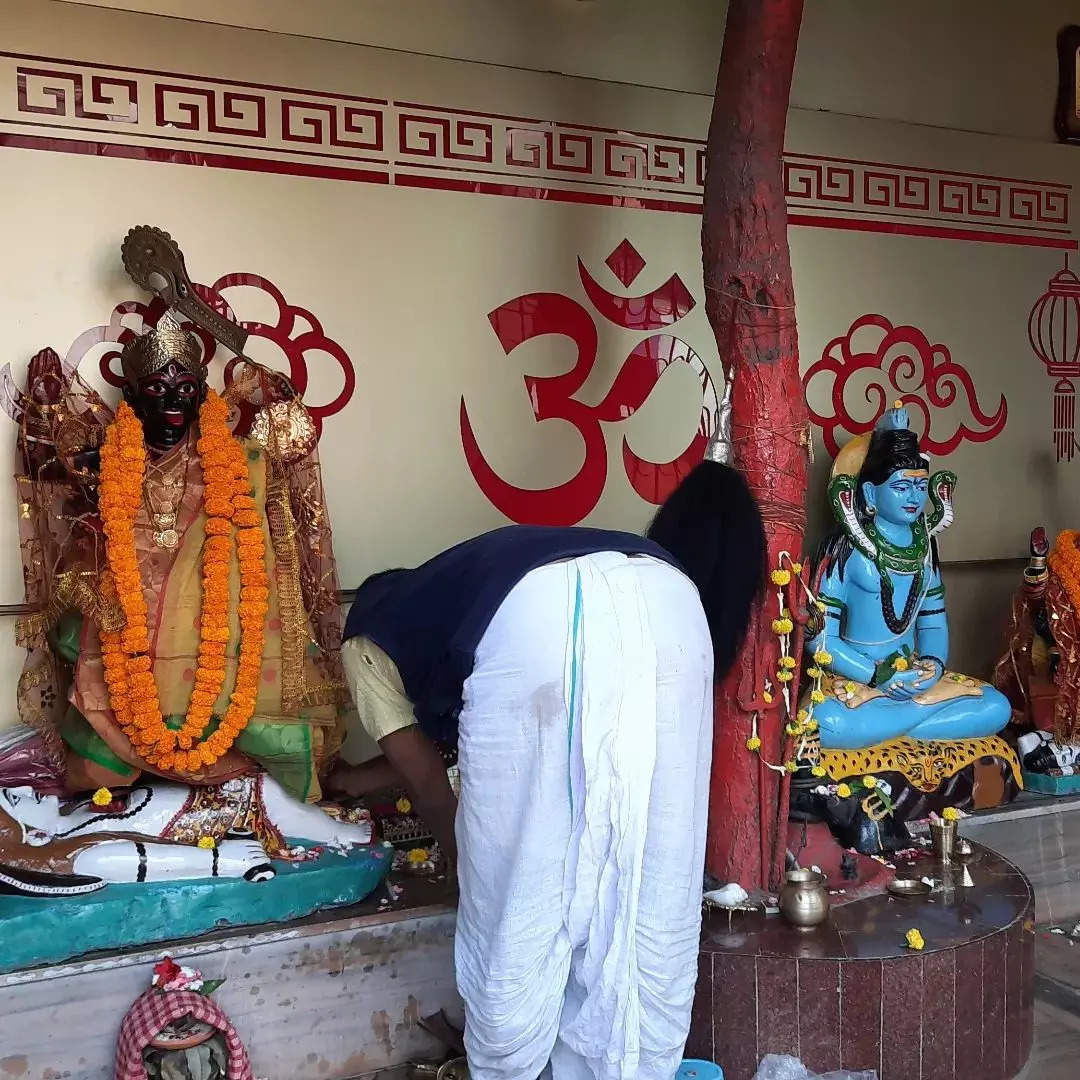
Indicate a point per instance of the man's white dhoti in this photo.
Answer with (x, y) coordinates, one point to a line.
(584, 750)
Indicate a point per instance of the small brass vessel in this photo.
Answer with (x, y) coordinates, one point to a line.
(943, 837)
(908, 887)
(804, 900)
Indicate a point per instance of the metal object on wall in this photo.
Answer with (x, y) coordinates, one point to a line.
(155, 263)
(1067, 113)
(1055, 339)
(719, 448)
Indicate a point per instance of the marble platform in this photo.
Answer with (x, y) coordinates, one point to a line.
(1041, 835)
(849, 994)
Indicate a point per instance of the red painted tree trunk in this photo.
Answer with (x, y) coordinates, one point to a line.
(750, 305)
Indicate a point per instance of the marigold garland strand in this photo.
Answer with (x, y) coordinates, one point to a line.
(228, 503)
(1065, 564)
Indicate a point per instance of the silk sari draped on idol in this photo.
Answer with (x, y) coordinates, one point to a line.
(288, 746)
(299, 717)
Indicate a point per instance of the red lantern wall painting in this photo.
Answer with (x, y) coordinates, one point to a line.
(1054, 334)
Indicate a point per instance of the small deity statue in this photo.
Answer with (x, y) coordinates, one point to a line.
(182, 572)
(1024, 673)
(1040, 753)
(1042, 666)
(888, 703)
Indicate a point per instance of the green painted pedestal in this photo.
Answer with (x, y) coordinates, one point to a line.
(1051, 785)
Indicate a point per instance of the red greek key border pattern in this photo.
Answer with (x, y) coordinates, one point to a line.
(140, 105)
(161, 116)
(865, 187)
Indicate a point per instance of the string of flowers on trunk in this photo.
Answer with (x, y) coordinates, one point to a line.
(801, 728)
(800, 723)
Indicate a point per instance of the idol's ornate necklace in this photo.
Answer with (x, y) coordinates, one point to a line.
(165, 534)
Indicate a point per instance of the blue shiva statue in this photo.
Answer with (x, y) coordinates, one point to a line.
(886, 627)
(891, 707)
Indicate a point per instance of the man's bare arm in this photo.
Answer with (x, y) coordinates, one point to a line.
(414, 756)
(355, 781)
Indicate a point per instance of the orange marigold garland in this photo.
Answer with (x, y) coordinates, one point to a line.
(228, 503)
(1065, 563)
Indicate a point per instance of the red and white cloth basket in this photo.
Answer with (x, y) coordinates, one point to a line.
(153, 1011)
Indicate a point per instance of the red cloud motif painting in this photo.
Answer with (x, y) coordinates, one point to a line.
(876, 363)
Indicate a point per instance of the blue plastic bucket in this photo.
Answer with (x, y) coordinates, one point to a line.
(692, 1069)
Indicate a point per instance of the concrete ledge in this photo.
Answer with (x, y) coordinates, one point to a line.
(327, 999)
(1027, 804)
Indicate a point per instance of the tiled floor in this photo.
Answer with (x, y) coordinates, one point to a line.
(1057, 1010)
(1057, 1045)
(1057, 1016)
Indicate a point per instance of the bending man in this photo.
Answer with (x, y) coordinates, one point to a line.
(574, 669)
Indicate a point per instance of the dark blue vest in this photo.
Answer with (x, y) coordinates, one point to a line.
(430, 620)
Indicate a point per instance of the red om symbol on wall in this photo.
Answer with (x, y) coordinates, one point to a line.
(535, 315)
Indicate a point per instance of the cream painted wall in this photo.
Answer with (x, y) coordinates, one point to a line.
(403, 278)
(980, 599)
(968, 65)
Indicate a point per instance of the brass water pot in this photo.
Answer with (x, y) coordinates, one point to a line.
(804, 900)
